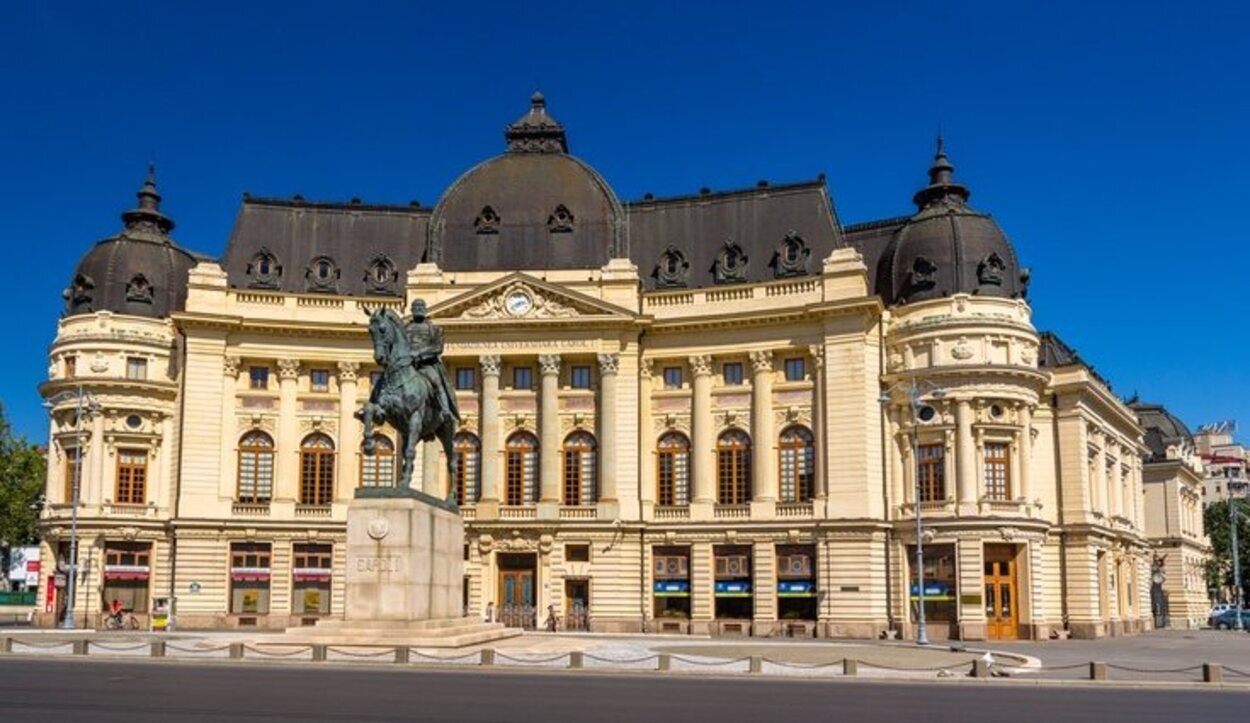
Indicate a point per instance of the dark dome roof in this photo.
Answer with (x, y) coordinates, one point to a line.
(948, 248)
(1162, 428)
(534, 207)
(140, 271)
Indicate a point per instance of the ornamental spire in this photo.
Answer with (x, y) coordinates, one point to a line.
(942, 187)
(147, 215)
(536, 132)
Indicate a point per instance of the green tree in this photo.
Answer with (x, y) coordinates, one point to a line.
(22, 475)
(1220, 567)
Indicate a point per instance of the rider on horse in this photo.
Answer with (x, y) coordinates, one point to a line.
(426, 341)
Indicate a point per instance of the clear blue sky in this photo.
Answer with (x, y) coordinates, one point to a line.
(1109, 139)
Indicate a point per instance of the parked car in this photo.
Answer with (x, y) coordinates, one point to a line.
(1226, 619)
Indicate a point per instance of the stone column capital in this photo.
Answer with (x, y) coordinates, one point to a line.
(288, 368)
(491, 364)
(817, 353)
(549, 363)
(762, 361)
(230, 367)
(701, 365)
(646, 368)
(348, 371)
(609, 364)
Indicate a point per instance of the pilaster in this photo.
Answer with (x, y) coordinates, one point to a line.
(488, 505)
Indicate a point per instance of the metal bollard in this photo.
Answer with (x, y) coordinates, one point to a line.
(236, 651)
(318, 653)
(488, 656)
(576, 660)
(665, 662)
(81, 647)
(980, 668)
(757, 664)
(1212, 673)
(850, 667)
(157, 649)
(401, 654)
(6, 645)
(1097, 671)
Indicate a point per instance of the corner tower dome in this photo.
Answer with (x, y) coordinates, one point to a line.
(140, 271)
(1162, 429)
(534, 207)
(949, 248)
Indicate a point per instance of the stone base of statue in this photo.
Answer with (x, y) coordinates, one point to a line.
(405, 577)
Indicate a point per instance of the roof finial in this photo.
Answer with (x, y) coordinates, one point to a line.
(148, 213)
(536, 131)
(538, 100)
(942, 186)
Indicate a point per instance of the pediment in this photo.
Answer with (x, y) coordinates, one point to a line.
(520, 297)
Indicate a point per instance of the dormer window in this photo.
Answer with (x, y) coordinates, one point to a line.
(560, 220)
(322, 275)
(81, 292)
(381, 276)
(672, 269)
(264, 270)
(990, 270)
(139, 290)
(791, 256)
(487, 222)
(731, 264)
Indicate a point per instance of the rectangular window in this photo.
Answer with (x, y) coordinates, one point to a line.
(671, 583)
(465, 378)
(258, 377)
(577, 553)
(136, 368)
(672, 377)
(580, 377)
(71, 366)
(320, 379)
(127, 568)
(249, 578)
(132, 473)
(73, 472)
(311, 569)
(997, 474)
(931, 472)
(733, 372)
(796, 369)
(940, 584)
(522, 378)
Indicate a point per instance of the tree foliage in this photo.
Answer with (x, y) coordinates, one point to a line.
(22, 473)
(1220, 568)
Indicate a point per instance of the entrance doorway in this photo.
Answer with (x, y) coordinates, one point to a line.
(517, 573)
(577, 604)
(1001, 601)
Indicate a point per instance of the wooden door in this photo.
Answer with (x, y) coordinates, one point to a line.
(516, 596)
(1001, 601)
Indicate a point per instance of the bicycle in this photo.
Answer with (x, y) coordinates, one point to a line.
(121, 621)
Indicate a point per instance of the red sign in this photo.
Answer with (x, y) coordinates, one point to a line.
(32, 566)
(49, 596)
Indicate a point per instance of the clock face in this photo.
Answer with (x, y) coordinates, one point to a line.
(518, 303)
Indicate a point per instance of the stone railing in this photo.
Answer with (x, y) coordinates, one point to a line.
(115, 509)
(352, 307)
(794, 509)
(699, 297)
(312, 510)
(524, 512)
(732, 512)
(250, 509)
(580, 512)
(1003, 507)
(675, 512)
(468, 514)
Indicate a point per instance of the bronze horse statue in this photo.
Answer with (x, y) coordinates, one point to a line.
(402, 397)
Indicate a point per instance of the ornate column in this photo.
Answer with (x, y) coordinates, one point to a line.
(349, 431)
(965, 458)
(549, 428)
(818, 420)
(228, 484)
(1026, 453)
(763, 437)
(488, 426)
(286, 461)
(646, 455)
(702, 458)
(608, 364)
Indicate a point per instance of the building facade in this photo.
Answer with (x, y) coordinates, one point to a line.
(1226, 461)
(711, 413)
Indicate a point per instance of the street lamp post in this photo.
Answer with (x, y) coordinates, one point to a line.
(1238, 598)
(914, 395)
(75, 498)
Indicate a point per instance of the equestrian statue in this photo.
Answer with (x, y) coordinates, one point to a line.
(414, 394)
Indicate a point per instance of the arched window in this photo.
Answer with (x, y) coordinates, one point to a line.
(466, 465)
(316, 470)
(322, 274)
(378, 469)
(798, 464)
(673, 470)
(579, 469)
(264, 270)
(255, 468)
(733, 468)
(522, 469)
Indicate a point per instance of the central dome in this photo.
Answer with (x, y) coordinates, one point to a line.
(534, 207)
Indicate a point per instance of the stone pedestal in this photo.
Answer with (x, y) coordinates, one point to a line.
(405, 571)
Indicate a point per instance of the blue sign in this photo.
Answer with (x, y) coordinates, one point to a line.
(796, 588)
(933, 591)
(733, 588)
(671, 588)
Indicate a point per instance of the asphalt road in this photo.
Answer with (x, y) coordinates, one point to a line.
(101, 692)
